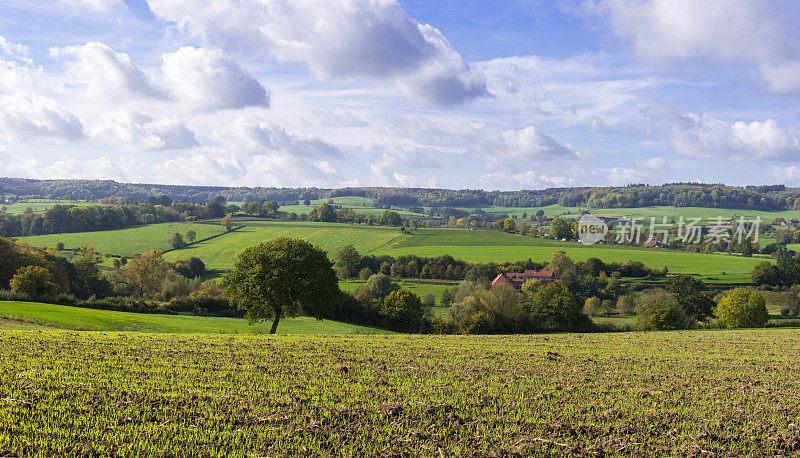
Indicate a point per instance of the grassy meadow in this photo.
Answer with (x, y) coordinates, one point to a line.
(20, 315)
(707, 393)
(42, 205)
(128, 241)
(222, 252)
(473, 246)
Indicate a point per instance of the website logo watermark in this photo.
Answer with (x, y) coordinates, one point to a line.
(661, 230)
(591, 229)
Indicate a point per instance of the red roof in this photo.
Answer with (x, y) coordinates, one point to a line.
(517, 279)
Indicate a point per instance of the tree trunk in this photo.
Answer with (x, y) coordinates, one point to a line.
(275, 321)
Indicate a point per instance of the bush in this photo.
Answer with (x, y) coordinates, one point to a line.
(742, 308)
(364, 274)
(658, 309)
(379, 286)
(592, 306)
(404, 309)
(554, 308)
(176, 241)
(791, 302)
(429, 300)
(625, 304)
(494, 311)
(34, 281)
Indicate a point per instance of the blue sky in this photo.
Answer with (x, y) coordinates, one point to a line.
(432, 93)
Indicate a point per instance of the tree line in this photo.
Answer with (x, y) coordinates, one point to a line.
(774, 197)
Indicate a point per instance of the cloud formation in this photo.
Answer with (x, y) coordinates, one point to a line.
(702, 136)
(206, 79)
(335, 39)
(26, 117)
(762, 35)
(104, 73)
(137, 131)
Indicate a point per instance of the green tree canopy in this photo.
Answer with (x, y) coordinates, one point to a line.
(553, 307)
(325, 213)
(404, 308)
(35, 281)
(561, 229)
(742, 308)
(346, 261)
(658, 309)
(691, 295)
(280, 278)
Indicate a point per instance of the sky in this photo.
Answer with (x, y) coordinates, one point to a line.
(495, 95)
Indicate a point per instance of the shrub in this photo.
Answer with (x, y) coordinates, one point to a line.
(625, 304)
(554, 308)
(791, 302)
(34, 281)
(766, 273)
(658, 309)
(429, 300)
(742, 308)
(404, 309)
(364, 274)
(591, 306)
(176, 241)
(379, 286)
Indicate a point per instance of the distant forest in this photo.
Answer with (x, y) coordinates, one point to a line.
(773, 197)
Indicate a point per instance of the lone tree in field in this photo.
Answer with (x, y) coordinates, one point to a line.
(176, 241)
(280, 278)
(190, 236)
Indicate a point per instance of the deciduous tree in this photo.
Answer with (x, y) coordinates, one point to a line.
(280, 278)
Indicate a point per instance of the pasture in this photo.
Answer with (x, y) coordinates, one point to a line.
(24, 314)
(222, 252)
(128, 241)
(355, 203)
(634, 394)
(42, 205)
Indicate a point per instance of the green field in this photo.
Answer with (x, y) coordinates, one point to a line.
(718, 393)
(128, 241)
(705, 214)
(42, 205)
(356, 203)
(77, 318)
(473, 246)
(222, 252)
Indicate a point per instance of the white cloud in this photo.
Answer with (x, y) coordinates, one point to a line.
(138, 131)
(498, 148)
(335, 39)
(102, 6)
(788, 175)
(207, 79)
(621, 176)
(394, 158)
(213, 166)
(705, 137)
(760, 34)
(335, 119)
(13, 49)
(590, 90)
(255, 153)
(26, 117)
(250, 136)
(104, 73)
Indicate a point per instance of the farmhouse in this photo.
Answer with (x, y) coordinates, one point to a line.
(517, 279)
(653, 244)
